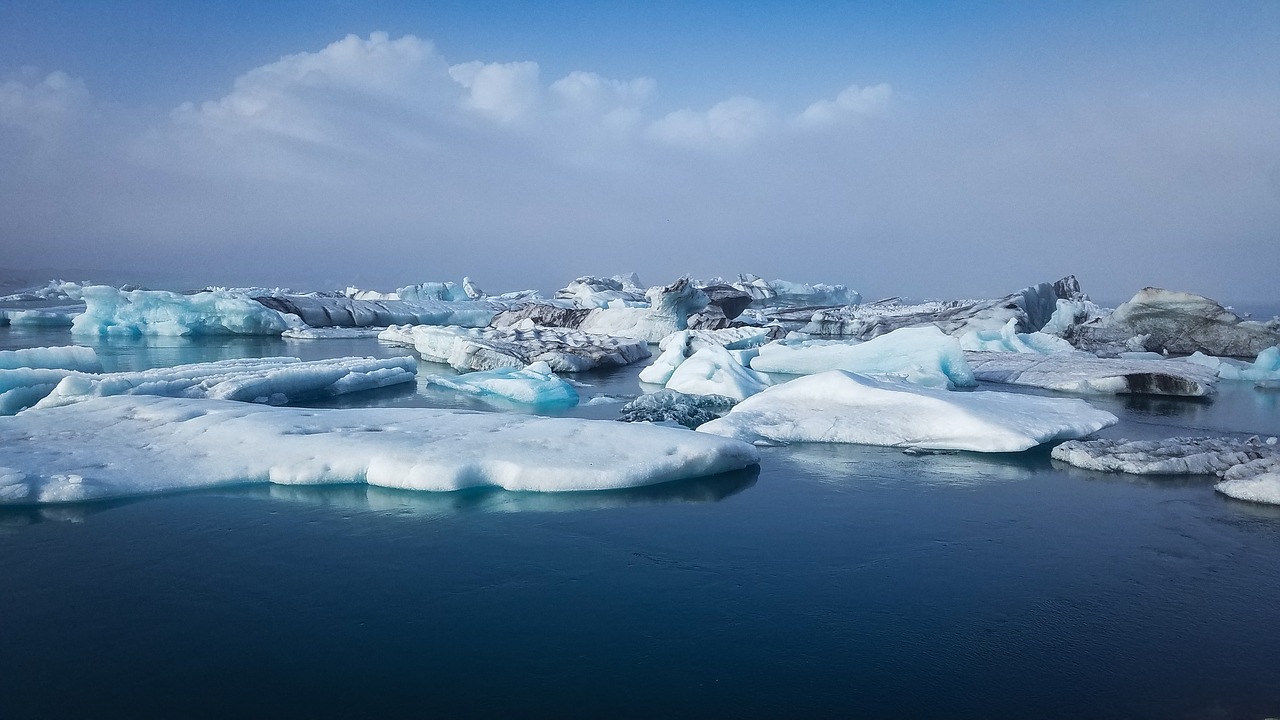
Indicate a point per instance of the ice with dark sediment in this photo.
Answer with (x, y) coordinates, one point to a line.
(668, 405)
(774, 293)
(843, 407)
(1083, 373)
(535, 384)
(325, 311)
(516, 347)
(593, 292)
(667, 311)
(135, 445)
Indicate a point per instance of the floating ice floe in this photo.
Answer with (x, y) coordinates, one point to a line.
(68, 357)
(1177, 323)
(123, 446)
(667, 311)
(1266, 367)
(53, 290)
(843, 407)
(261, 380)
(1008, 339)
(516, 347)
(43, 317)
(1250, 469)
(1087, 374)
(323, 311)
(109, 311)
(532, 385)
(331, 333)
(672, 406)
(924, 356)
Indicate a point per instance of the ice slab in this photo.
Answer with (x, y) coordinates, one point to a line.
(68, 357)
(1008, 339)
(323, 311)
(262, 380)
(23, 387)
(925, 356)
(671, 406)
(1091, 375)
(109, 311)
(331, 333)
(843, 407)
(43, 317)
(1256, 481)
(535, 384)
(516, 347)
(1172, 456)
(125, 445)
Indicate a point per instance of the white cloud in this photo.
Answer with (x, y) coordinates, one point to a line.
(734, 122)
(42, 106)
(853, 101)
(505, 91)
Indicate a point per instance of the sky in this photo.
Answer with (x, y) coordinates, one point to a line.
(923, 149)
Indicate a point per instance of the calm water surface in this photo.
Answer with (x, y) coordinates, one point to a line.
(834, 581)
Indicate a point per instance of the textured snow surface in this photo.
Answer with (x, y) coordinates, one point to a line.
(1172, 456)
(516, 347)
(23, 387)
(263, 380)
(1255, 481)
(843, 407)
(532, 385)
(109, 311)
(1086, 374)
(1008, 339)
(925, 356)
(68, 357)
(124, 445)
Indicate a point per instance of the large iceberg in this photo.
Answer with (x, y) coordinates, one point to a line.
(109, 311)
(1176, 323)
(843, 407)
(516, 347)
(924, 356)
(68, 357)
(1087, 374)
(123, 446)
(679, 345)
(323, 311)
(262, 380)
(593, 292)
(766, 293)
(532, 385)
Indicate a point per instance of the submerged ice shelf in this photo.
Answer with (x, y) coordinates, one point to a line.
(133, 445)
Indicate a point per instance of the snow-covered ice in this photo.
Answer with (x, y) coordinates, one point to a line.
(713, 370)
(1008, 339)
(1091, 375)
(1266, 367)
(1172, 456)
(679, 345)
(262, 380)
(109, 311)
(52, 317)
(925, 356)
(517, 347)
(843, 407)
(127, 445)
(766, 293)
(68, 357)
(23, 387)
(532, 385)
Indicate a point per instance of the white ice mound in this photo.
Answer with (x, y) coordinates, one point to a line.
(109, 311)
(678, 346)
(1266, 367)
(1257, 481)
(70, 357)
(925, 356)
(516, 347)
(1008, 339)
(713, 370)
(262, 380)
(843, 407)
(1084, 373)
(122, 446)
(532, 385)
(1173, 456)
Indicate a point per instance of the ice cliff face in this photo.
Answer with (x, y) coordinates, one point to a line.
(1177, 323)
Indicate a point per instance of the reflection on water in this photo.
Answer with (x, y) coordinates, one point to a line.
(368, 498)
(836, 463)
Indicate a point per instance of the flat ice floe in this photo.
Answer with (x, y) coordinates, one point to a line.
(516, 347)
(262, 380)
(843, 407)
(331, 333)
(925, 356)
(532, 385)
(125, 446)
(67, 357)
(1091, 375)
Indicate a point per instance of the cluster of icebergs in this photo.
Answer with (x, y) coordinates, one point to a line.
(745, 362)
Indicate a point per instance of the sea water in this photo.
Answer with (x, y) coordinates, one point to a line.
(833, 581)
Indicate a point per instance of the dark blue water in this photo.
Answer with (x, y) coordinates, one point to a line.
(837, 581)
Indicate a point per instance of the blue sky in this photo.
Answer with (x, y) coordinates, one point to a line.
(901, 148)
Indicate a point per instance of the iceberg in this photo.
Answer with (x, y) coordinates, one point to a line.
(1255, 481)
(1180, 324)
(671, 406)
(261, 380)
(331, 333)
(713, 370)
(1008, 339)
(1266, 367)
(125, 446)
(843, 407)
(516, 347)
(1172, 456)
(593, 292)
(925, 356)
(668, 311)
(52, 290)
(679, 345)
(1091, 375)
(69, 357)
(724, 304)
(44, 317)
(535, 384)
(23, 387)
(109, 311)
(322, 311)
(766, 293)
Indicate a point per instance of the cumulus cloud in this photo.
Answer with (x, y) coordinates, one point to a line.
(377, 160)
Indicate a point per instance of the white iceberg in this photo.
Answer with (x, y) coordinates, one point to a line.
(925, 356)
(1008, 339)
(765, 293)
(123, 446)
(261, 380)
(68, 357)
(1265, 367)
(516, 347)
(843, 407)
(1084, 373)
(667, 311)
(50, 317)
(713, 370)
(109, 311)
(535, 384)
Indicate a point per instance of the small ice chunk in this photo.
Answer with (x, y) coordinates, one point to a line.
(70, 357)
(1173, 456)
(535, 384)
(671, 406)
